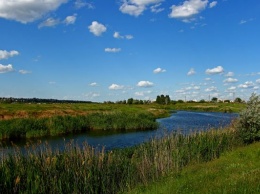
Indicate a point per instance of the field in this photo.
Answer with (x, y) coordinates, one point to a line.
(39, 110)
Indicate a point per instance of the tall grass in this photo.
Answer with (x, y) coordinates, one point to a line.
(114, 121)
(88, 170)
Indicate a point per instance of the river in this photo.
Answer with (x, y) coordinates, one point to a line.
(182, 121)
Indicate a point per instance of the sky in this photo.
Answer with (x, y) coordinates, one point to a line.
(115, 50)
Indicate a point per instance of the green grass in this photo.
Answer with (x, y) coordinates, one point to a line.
(21, 128)
(234, 172)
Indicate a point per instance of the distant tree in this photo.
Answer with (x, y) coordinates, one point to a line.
(214, 99)
(163, 99)
(180, 101)
(130, 101)
(238, 100)
(227, 101)
(202, 101)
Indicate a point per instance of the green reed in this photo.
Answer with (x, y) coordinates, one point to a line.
(84, 169)
(37, 127)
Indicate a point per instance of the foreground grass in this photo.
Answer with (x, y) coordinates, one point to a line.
(83, 169)
(234, 172)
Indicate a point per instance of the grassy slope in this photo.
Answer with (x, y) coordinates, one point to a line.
(234, 172)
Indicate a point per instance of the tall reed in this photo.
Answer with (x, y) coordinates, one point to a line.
(89, 170)
(113, 121)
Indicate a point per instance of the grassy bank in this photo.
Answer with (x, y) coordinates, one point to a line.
(89, 170)
(234, 172)
(19, 128)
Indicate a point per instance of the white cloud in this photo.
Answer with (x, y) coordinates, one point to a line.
(208, 79)
(24, 71)
(50, 22)
(129, 36)
(136, 7)
(156, 8)
(258, 81)
(211, 89)
(159, 70)
(70, 19)
(93, 84)
(6, 68)
(134, 10)
(188, 9)
(25, 11)
(229, 74)
(213, 4)
(118, 36)
(216, 70)
(246, 85)
(7, 54)
(232, 88)
(230, 80)
(92, 95)
(115, 87)
(191, 72)
(143, 93)
(112, 50)
(96, 28)
(79, 4)
(145, 84)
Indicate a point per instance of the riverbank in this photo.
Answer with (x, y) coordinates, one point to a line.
(117, 171)
(236, 171)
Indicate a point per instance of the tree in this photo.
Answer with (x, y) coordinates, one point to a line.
(238, 100)
(214, 99)
(130, 101)
(163, 99)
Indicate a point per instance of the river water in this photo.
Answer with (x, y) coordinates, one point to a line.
(181, 121)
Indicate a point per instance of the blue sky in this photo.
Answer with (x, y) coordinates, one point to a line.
(115, 50)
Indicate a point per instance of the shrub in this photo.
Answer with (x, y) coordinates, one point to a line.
(249, 122)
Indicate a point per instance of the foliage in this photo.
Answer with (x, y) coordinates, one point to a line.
(163, 99)
(249, 123)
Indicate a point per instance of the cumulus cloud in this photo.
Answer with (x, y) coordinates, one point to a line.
(70, 19)
(145, 84)
(188, 9)
(216, 70)
(7, 54)
(191, 72)
(97, 28)
(119, 36)
(24, 71)
(25, 11)
(112, 50)
(229, 74)
(246, 85)
(232, 88)
(258, 81)
(6, 68)
(213, 4)
(230, 80)
(137, 7)
(50, 22)
(211, 89)
(115, 87)
(93, 84)
(79, 4)
(159, 70)
(156, 8)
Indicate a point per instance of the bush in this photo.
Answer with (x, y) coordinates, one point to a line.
(249, 122)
